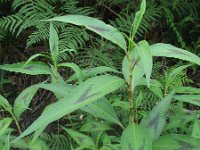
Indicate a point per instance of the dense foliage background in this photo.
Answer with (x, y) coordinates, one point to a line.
(24, 32)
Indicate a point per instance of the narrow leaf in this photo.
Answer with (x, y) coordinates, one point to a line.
(192, 99)
(80, 138)
(146, 59)
(167, 50)
(5, 104)
(176, 142)
(23, 100)
(32, 68)
(84, 94)
(95, 25)
(138, 18)
(53, 42)
(102, 109)
(156, 119)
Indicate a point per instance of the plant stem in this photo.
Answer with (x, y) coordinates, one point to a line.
(17, 123)
(130, 92)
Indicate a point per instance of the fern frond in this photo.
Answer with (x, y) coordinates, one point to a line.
(70, 7)
(56, 141)
(11, 23)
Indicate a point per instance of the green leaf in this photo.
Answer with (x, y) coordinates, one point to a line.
(144, 51)
(56, 89)
(187, 90)
(20, 144)
(138, 71)
(196, 129)
(102, 109)
(136, 137)
(80, 139)
(95, 25)
(167, 50)
(179, 120)
(91, 72)
(138, 18)
(53, 42)
(39, 145)
(23, 100)
(156, 119)
(32, 68)
(5, 104)
(93, 126)
(73, 66)
(176, 142)
(4, 124)
(84, 94)
(192, 99)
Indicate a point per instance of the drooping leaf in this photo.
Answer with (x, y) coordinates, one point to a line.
(167, 50)
(5, 104)
(102, 109)
(23, 100)
(32, 68)
(73, 66)
(176, 142)
(138, 18)
(192, 99)
(144, 51)
(95, 25)
(80, 138)
(156, 119)
(155, 87)
(84, 94)
(53, 42)
(136, 137)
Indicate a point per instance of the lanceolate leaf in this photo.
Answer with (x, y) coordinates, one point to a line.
(5, 104)
(167, 50)
(156, 119)
(73, 66)
(4, 124)
(187, 90)
(53, 42)
(84, 94)
(80, 139)
(136, 137)
(138, 18)
(32, 68)
(23, 100)
(56, 89)
(146, 59)
(95, 25)
(102, 109)
(91, 72)
(176, 142)
(192, 99)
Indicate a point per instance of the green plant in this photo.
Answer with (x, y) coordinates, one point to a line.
(89, 94)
